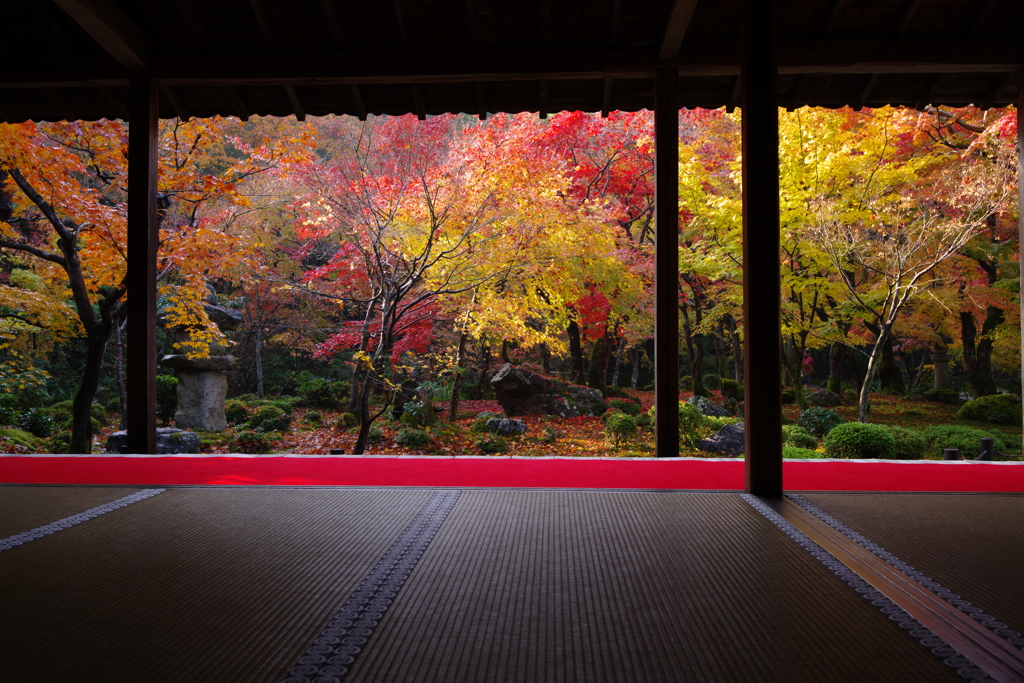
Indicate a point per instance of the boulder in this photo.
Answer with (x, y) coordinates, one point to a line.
(506, 427)
(728, 440)
(708, 408)
(521, 392)
(168, 441)
(201, 397)
(824, 398)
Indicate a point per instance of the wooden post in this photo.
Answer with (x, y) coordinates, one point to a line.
(762, 340)
(666, 262)
(1020, 200)
(142, 246)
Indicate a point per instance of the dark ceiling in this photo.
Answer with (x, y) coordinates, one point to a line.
(72, 59)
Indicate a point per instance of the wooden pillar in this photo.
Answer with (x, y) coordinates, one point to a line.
(1020, 201)
(142, 246)
(666, 262)
(762, 340)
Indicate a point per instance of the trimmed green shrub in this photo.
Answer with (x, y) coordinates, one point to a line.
(1001, 409)
(859, 440)
(612, 391)
(819, 421)
(36, 422)
(419, 413)
(252, 441)
(796, 453)
(322, 393)
(797, 436)
(620, 427)
(10, 409)
(375, 434)
(313, 417)
(732, 389)
(966, 439)
(914, 412)
(269, 418)
(237, 412)
(711, 381)
(59, 441)
(1013, 443)
(645, 420)
(493, 444)
(412, 438)
(909, 444)
(166, 398)
(693, 425)
(627, 407)
(346, 421)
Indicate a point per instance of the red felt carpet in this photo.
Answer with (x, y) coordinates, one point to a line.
(504, 472)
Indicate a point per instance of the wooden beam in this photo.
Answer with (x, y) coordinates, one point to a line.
(266, 28)
(606, 98)
(481, 101)
(676, 26)
(176, 104)
(111, 97)
(542, 108)
(357, 100)
(333, 23)
(1020, 194)
(908, 15)
(666, 263)
(924, 98)
(834, 14)
(418, 103)
(762, 321)
(865, 92)
(112, 30)
(296, 102)
(141, 275)
(195, 24)
(235, 100)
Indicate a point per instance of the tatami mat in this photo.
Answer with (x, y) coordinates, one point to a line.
(602, 586)
(193, 584)
(972, 545)
(26, 507)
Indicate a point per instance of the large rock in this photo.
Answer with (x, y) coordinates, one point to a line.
(708, 408)
(168, 441)
(506, 427)
(201, 397)
(728, 440)
(824, 398)
(521, 392)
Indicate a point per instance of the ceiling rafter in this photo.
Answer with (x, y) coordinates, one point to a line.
(606, 98)
(865, 91)
(481, 101)
(984, 11)
(176, 104)
(357, 101)
(542, 110)
(111, 97)
(908, 16)
(195, 24)
(676, 26)
(296, 101)
(924, 98)
(259, 10)
(333, 23)
(834, 14)
(112, 30)
(999, 82)
(796, 96)
(235, 100)
(418, 103)
(403, 22)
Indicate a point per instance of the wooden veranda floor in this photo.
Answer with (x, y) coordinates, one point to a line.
(378, 584)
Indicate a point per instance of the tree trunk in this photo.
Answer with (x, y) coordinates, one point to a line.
(122, 392)
(890, 376)
(545, 359)
(485, 363)
(978, 354)
(453, 403)
(575, 351)
(634, 359)
(81, 418)
(599, 363)
(874, 360)
(259, 361)
(737, 349)
(721, 355)
(363, 415)
(618, 362)
(835, 369)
